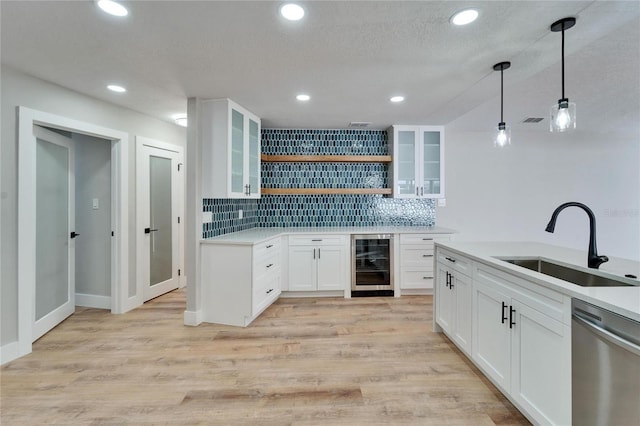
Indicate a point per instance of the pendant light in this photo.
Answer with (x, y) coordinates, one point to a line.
(502, 132)
(563, 114)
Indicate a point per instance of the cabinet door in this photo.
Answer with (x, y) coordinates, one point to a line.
(444, 300)
(331, 262)
(541, 365)
(253, 159)
(431, 184)
(237, 143)
(406, 162)
(491, 335)
(462, 310)
(302, 268)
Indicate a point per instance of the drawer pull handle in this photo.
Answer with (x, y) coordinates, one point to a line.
(450, 259)
(426, 278)
(427, 239)
(427, 255)
(269, 291)
(270, 265)
(317, 240)
(270, 245)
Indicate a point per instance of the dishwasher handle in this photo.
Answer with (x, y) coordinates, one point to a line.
(608, 336)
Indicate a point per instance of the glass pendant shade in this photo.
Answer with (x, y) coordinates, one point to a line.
(502, 135)
(563, 116)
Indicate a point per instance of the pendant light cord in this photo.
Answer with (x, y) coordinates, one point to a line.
(501, 95)
(563, 63)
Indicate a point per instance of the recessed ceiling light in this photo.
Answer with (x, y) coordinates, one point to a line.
(303, 97)
(116, 88)
(292, 11)
(113, 8)
(180, 119)
(397, 98)
(464, 17)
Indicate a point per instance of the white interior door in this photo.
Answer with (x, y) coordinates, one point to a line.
(159, 202)
(55, 233)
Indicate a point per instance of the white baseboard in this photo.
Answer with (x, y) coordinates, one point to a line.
(336, 293)
(192, 318)
(9, 352)
(416, 291)
(93, 301)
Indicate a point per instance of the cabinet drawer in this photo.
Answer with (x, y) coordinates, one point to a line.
(266, 248)
(265, 291)
(416, 255)
(419, 279)
(266, 265)
(426, 239)
(455, 261)
(317, 240)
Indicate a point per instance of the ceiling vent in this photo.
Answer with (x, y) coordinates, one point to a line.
(532, 120)
(359, 124)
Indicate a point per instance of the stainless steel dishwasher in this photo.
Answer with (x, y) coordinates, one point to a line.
(605, 351)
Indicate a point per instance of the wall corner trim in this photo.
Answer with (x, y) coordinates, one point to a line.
(192, 318)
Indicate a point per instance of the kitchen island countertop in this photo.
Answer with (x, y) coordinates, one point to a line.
(622, 300)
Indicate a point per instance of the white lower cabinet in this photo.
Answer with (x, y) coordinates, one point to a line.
(520, 342)
(239, 281)
(416, 261)
(453, 299)
(318, 263)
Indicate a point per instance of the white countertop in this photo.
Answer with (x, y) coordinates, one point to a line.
(257, 235)
(622, 300)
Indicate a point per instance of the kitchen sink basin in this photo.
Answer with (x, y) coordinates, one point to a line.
(572, 275)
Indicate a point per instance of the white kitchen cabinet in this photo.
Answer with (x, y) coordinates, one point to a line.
(416, 261)
(318, 263)
(520, 342)
(230, 150)
(418, 161)
(239, 281)
(453, 299)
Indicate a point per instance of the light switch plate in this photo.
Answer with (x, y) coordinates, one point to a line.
(442, 202)
(207, 217)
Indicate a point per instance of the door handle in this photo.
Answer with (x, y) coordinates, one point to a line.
(73, 234)
(447, 280)
(314, 254)
(422, 190)
(318, 253)
(149, 230)
(504, 314)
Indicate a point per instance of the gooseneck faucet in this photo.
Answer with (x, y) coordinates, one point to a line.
(593, 260)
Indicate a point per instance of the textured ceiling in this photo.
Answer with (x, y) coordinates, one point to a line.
(350, 56)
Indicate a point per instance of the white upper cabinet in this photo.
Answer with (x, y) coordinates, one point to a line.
(230, 150)
(418, 161)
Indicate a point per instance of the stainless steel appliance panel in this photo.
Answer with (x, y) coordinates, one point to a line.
(605, 367)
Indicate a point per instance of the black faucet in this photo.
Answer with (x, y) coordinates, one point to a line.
(593, 260)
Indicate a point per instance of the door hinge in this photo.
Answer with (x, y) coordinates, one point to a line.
(178, 272)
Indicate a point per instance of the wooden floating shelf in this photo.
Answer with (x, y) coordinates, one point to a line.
(326, 158)
(322, 191)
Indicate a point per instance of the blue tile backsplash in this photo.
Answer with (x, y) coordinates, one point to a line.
(320, 210)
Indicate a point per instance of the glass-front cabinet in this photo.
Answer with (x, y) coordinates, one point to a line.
(230, 150)
(418, 161)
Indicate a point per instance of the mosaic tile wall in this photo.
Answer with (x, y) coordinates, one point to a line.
(320, 210)
(225, 216)
(343, 210)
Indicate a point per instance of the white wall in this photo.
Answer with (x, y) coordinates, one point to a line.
(20, 89)
(93, 246)
(509, 194)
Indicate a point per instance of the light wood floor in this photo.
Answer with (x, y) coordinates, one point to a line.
(366, 361)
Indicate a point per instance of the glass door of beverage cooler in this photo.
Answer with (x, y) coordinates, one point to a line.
(372, 262)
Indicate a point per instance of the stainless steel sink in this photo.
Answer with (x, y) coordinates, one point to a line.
(572, 275)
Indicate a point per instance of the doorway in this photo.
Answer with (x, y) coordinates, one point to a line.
(30, 204)
(159, 223)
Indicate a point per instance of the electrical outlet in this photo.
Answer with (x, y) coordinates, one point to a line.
(240, 214)
(207, 217)
(442, 202)
(96, 204)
